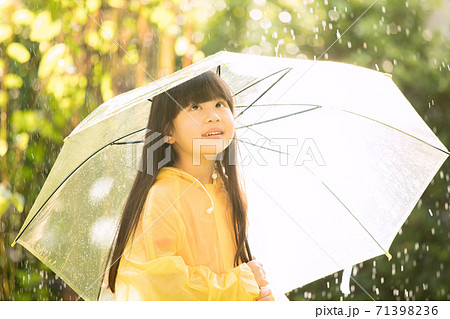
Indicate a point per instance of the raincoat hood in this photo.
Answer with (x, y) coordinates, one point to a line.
(183, 176)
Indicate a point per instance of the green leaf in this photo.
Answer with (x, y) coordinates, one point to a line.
(50, 59)
(105, 87)
(18, 201)
(5, 195)
(22, 140)
(117, 4)
(23, 17)
(5, 32)
(18, 52)
(43, 29)
(3, 147)
(13, 81)
(4, 204)
(93, 5)
(35, 153)
(24, 121)
(3, 98)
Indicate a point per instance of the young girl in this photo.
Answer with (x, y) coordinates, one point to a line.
(183, 233)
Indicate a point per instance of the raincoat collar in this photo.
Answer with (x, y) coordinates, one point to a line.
(174, 171)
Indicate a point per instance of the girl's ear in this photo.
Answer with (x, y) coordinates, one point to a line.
(169, 139)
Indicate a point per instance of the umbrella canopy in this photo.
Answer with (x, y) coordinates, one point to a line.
(341, 160)
(334, 159)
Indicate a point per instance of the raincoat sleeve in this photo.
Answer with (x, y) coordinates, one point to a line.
(166, 276)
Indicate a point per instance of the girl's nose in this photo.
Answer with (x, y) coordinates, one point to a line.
(213, 116)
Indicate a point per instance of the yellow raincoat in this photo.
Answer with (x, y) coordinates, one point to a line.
(188, 251)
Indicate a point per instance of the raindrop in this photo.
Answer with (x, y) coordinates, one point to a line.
(265, 23)
(256, 14)
(334, 16)
(429, 210)
(284, 17)
(388, 66)
(427, 35)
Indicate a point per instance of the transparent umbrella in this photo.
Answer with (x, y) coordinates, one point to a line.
(334, 159)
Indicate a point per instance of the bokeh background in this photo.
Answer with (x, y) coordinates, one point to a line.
(60, 59)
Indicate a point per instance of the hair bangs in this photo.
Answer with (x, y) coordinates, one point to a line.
(202, 88)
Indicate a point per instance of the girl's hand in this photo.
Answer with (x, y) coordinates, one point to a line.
(265, 294)
(258, 272)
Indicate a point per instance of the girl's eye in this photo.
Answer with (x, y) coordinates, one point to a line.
(221, 104)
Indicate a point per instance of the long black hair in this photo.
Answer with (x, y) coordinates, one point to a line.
(205, 87)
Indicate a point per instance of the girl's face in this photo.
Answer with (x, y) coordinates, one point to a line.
(191, 125)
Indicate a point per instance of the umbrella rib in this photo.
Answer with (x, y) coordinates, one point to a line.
(267, 90)
(368, 118)
(264, 147)
(68, 176)
(367, 231)
(260, 80)
(129, 142)
(218, 70)
(272, 104)
(284, 116)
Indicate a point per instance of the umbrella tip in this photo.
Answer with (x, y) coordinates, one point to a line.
(13, 244)
(389, 256)
(388, 75)
(65, 139)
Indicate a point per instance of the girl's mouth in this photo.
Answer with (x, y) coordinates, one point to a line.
(213, 135)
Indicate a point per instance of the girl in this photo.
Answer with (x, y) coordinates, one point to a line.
(183, 233)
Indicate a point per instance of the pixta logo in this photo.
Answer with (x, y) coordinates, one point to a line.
(144, 152)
